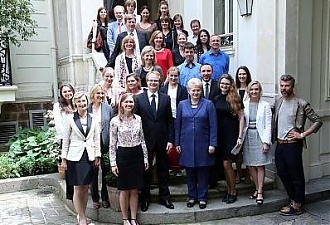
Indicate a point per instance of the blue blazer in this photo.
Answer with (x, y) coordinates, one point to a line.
(181, 93)
(195, 131)
(106, 116)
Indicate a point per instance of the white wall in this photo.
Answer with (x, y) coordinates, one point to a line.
(33, 63)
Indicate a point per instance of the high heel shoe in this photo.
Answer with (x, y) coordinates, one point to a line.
(254, 195)
(126, 222)
(260, 201)
(134, 222)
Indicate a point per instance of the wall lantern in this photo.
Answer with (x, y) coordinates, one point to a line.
(245, 7)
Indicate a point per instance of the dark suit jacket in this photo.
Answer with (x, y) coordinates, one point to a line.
(106, 116)
(181, 93)
(214, 90)
(160, 129)
(143, 41)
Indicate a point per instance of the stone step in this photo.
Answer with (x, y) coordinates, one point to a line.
(180, 192)
(215, 210)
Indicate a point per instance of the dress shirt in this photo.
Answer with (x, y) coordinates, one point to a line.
(187, 72)
(136, 40)
(150, 98)
(206, 92)
(113, 32)
(219, 62)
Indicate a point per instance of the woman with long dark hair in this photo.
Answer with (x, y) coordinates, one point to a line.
(230, 129)
(61, 110)
(145, 25)
(202, 43)
(100, 25)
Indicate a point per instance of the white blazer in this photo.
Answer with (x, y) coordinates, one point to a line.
(59, 119)
(75, 140)
(263, 120)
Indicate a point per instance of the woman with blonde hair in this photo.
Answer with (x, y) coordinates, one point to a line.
(127, 61)
(111, 92)
(164, 56)
(230, 129)
(148, 63)
(103, 113)
(257, 140)
(128, 156)
(81, 152)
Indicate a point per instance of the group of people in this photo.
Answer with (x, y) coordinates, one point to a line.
(161, 94)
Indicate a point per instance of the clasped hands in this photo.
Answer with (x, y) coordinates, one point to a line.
(211, 149)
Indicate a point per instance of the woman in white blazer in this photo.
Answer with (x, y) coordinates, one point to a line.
(81, 152)
(257, 140)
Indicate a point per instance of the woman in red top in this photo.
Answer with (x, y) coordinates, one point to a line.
(164, 57)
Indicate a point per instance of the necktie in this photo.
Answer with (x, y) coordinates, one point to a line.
(119, 27)
(153, 104)
(207, 91)
(132, 34)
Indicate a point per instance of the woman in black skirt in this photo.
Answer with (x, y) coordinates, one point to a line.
(128, 156)
(81, 152)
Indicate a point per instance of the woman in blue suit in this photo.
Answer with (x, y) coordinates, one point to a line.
(196, 138)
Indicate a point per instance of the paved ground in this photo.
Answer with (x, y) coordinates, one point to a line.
(42, 206)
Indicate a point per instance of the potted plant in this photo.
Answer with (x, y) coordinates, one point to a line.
(111, 182)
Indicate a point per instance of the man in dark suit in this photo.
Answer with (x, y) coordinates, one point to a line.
(210, 87)
(210, 90)
(141, 39)
(154, 108)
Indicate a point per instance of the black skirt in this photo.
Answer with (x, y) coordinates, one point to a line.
(131, 168)
(80, 172)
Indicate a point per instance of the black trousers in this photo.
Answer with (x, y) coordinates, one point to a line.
(162, 175)
(105, 166)
(289, 165)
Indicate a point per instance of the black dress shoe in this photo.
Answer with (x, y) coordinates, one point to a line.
(231, 199)
(167, 203)
(191, 203)
(202, 205)
(144, 206)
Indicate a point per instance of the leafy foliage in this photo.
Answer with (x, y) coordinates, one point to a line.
(16, 23)
(34, 151)
(8, 169)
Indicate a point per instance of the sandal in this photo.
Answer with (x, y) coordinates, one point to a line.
(126, 222)
(134, 222)
(259, 201)
(254, 195)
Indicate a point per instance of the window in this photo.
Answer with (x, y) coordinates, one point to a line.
(223, 21)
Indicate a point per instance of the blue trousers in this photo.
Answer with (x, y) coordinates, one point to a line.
(197, 181)
(289, 165)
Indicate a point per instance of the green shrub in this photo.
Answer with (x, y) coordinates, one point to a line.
(8, 169)
(34, 151)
